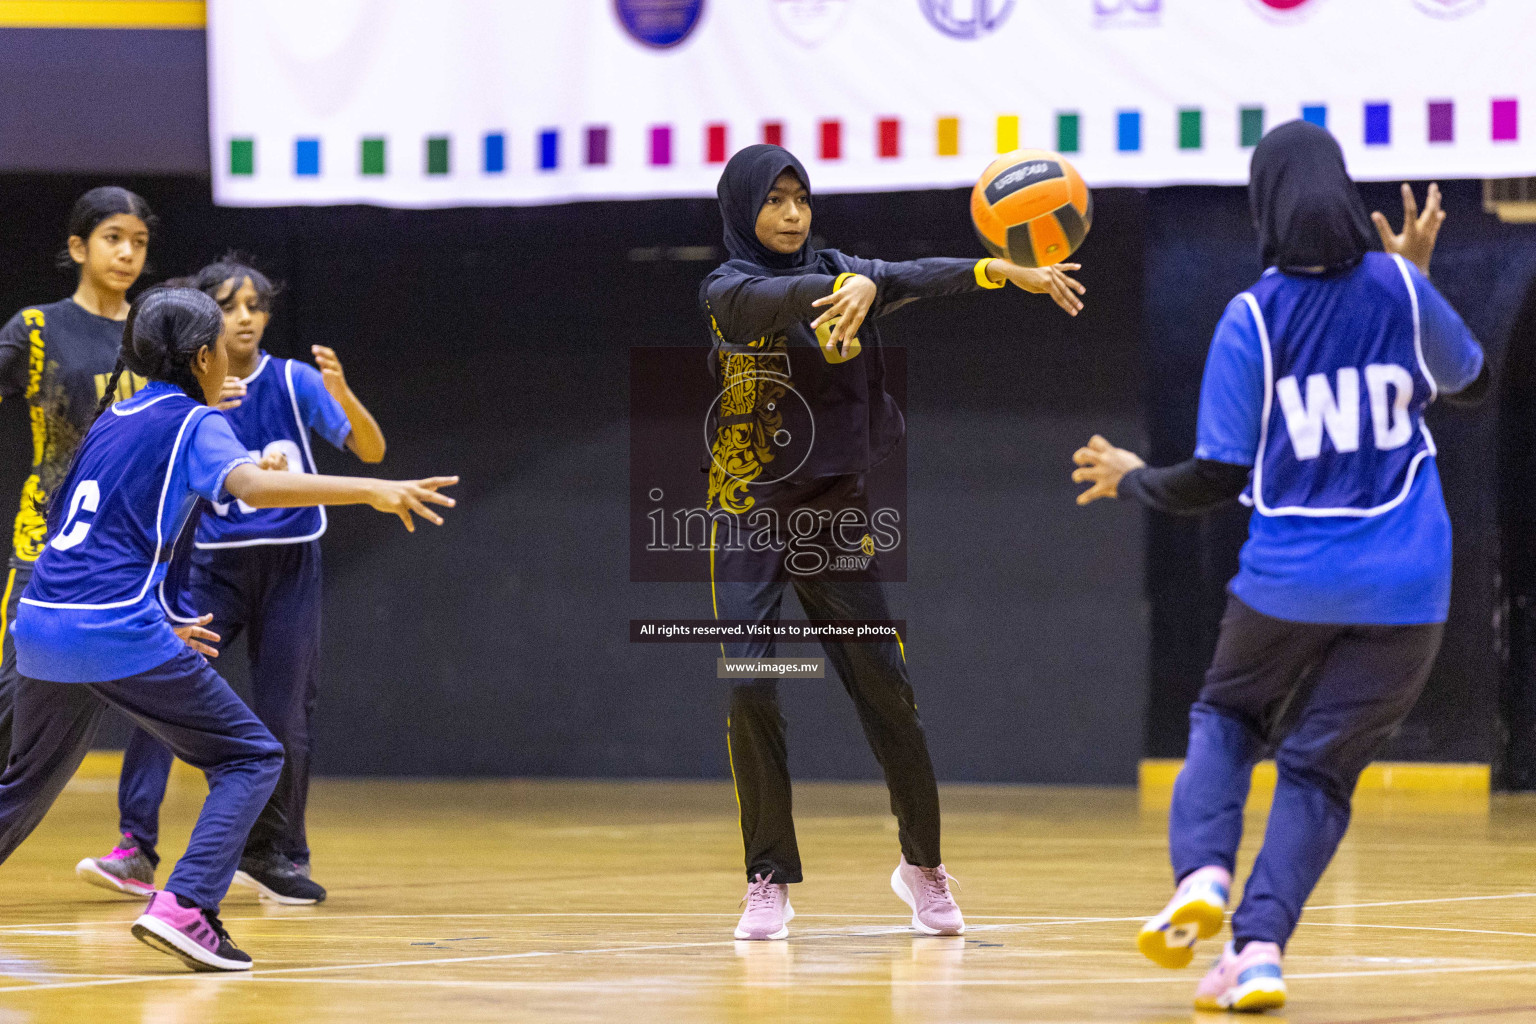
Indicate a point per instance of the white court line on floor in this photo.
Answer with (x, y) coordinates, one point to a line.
(1421, 928)
(310, 974)
(317, 915)
(1442, 899)
(310, 915)
(289, 972)
(1160, 978)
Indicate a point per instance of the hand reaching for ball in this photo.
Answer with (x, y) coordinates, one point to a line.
(1053, 281)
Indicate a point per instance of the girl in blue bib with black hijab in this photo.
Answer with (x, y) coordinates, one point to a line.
(1312, 409)
(793, 327)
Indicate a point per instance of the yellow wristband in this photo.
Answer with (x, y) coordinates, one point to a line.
(981, 274)
(842, 279)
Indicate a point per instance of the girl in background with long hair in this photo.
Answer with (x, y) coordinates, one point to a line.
(58, 356)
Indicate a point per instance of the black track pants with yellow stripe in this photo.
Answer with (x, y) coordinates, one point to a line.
(873, 674)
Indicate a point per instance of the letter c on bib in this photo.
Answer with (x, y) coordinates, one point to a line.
(87, 498)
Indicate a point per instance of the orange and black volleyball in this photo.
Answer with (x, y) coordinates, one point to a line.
(1032, 207)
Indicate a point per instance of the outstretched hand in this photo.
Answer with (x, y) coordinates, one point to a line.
(403, 497)
(1416, 243)
(1053, 281)
(1102, 465)
(193, 634)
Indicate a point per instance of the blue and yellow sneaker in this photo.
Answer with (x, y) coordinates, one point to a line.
(1246, 982)
(1197, 911)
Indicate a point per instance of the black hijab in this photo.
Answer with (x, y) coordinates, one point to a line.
(1307, 210)
(744, 187)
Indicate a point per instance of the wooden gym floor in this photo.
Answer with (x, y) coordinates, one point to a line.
(522, 901)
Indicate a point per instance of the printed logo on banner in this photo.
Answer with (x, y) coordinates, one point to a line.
(967, 19)
(659, 23)
(1127, 13)
(1283, 10)
(809, 22)
(1448, 8)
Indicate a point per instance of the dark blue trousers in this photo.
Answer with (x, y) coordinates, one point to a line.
(271, 594)
(1323, 698)
(188, 707)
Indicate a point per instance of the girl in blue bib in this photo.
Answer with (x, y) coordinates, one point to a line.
(1312, 411)
(257, 571)
(91, 631)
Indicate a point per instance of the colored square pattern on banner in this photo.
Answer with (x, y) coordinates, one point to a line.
(1190, 135)
(1506, 120)
(661, 146)
(306, 157)
(371, 159)
(1158, 92)
(1128, 131)
(437, 155)
(1007, 133)
(1250, 126)
(831, 140)
(1442, 121)
(660, 150)
(595, 142)
(1067, 126)
(947, 141)
(1378, 124)
(715, 148)
(242, 156)
(495, 153)
(597, 146)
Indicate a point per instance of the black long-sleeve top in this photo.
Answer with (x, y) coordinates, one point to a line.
(752, 309)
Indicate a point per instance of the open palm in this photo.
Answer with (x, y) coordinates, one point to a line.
(1416, 243)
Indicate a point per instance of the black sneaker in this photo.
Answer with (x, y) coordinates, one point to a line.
(276, 878)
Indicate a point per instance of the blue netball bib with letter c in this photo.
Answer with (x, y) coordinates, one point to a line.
(92, 611)
(1342, 432)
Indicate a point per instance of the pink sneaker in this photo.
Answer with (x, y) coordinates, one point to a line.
(926, 891)
(768, 911)
(127, 869)
(188, 932)
(1247, 982)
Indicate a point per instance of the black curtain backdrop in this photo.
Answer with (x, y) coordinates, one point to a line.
(494, 343)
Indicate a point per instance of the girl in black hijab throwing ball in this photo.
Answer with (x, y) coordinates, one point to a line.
(795, 346)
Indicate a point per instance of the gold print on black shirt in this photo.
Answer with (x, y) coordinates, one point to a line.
(57, 430)
(752, 383)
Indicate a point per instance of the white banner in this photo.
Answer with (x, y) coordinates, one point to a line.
(454, 102)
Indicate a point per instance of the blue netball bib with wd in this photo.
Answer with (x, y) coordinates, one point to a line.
(1320, 384)
(91, 612)
(1343, 431)
(284, 400)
